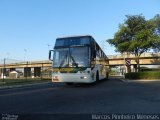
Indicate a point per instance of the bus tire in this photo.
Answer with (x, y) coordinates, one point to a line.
(69, 84)
(107, 75)
(97, 76)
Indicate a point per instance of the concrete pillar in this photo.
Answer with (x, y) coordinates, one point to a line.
(4, 71)
(37, 71)
(135, 67)
(128, 69)
(1, 71)
(132, 68)
(27, 72)
(12, 69)
(122, 70)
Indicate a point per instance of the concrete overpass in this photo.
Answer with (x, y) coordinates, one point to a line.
(145, 59)
(37, 67)
(32, 64)
(114, 60)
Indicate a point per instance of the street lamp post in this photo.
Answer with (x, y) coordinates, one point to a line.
(25, 62)
(124, 64)
(4, 68)
(8, 55)
(48, 46)
(25, 53)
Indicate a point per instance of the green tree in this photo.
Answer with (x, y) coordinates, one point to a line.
(156, 22)
(136, 36)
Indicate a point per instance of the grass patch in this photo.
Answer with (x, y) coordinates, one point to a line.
(143, 75)
(13, 82)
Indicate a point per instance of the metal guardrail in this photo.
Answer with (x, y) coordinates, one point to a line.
(12, 62)
(9, 62)
(132, 55)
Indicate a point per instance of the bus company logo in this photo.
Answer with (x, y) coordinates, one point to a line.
(55, 69)
(62, 69)
(67, 69)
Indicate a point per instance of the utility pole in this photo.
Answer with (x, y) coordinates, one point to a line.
(8, 55)
(42, 72)
(4, 68)
(25, 54)
(124, 70)
(48, 46)
(26, 70)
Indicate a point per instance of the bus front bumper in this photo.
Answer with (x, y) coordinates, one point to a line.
(72, 78)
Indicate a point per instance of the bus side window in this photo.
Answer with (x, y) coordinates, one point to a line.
(94, 54)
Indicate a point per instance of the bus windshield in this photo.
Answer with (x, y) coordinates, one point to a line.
(71, 57)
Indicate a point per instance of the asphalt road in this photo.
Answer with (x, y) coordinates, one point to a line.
(110, 96)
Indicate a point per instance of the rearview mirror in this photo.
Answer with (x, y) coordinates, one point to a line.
(51, 54)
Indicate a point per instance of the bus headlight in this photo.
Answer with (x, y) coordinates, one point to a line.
(83, 77)
(55, 78)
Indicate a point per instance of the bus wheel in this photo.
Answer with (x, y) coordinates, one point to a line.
(69, 84)
(107, 75)
(97, 76)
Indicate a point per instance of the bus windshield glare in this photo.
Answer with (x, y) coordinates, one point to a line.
(71, 57)
(72, 41)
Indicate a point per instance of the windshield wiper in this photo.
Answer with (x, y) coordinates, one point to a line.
(63, 60)
(74, 62)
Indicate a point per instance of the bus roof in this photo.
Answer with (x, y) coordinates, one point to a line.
(74, 36)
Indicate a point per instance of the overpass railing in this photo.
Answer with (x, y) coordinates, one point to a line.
(150, 54)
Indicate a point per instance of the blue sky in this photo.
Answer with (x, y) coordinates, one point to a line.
(27, 27)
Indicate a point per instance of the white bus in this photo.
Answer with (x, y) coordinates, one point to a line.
(78, 59)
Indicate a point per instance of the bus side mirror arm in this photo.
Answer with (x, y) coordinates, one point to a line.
(50, 55)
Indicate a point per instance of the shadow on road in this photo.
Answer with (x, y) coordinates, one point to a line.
(87, 84)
